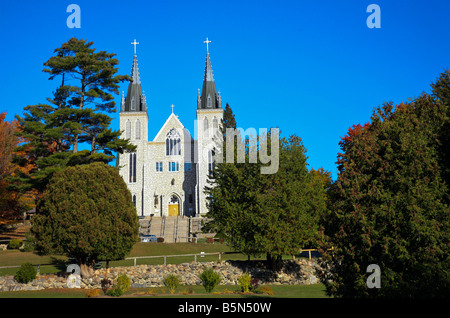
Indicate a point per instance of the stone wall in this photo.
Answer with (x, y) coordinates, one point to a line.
(302, 271)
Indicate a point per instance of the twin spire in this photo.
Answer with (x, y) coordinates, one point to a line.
(135, 100)
(135, 70)
(209, 99)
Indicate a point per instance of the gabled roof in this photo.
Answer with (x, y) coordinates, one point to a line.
(176, 124)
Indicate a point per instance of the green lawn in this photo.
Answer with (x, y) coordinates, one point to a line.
(59, 263)
(221, 291)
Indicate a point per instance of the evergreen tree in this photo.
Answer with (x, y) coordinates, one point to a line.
(441, 92)
(388, 206)
(86, 213)
(228, 119)
(77, 114)
(269, 214)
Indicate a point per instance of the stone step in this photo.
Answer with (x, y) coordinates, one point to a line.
(171, 228)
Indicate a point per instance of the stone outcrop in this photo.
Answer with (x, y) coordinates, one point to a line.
(302, 271)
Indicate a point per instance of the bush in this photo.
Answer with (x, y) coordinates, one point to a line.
(15, 244)
(123, 282)
(245, 282)
(26, 273)
(122, 285)
(210, 279)
(106, 284)
(160, 240)
(115, 292)
(254, 284)
(172, 281)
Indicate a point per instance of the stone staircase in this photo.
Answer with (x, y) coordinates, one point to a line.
(174, 229)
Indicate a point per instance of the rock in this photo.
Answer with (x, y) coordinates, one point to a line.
(300, 271)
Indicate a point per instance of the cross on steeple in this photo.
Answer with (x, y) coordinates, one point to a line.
(207, 42)
(172, 107)
(134, 43)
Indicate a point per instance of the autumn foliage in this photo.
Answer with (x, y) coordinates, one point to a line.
(390, 205)
(12, 203)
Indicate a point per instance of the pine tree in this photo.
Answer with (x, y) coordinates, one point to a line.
(76, 114)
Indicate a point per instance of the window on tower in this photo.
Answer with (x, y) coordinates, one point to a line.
(205, 127)
(210, 161)
(132, 167)
(128, 129)
(215, 125)
(138, 129)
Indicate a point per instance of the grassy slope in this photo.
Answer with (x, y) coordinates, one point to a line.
(280, 291)
(15, 257)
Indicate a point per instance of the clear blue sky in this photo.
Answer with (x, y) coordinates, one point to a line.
(312, 68)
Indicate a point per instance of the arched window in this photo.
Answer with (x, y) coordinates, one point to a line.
(173, 143)
(138, 129)
(173, 200)
(128, 129)
(215, 125)
(205, 127)
(134, 199)
(210, 161)
(132, 167)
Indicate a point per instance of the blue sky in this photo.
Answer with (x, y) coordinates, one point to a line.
(312, 68)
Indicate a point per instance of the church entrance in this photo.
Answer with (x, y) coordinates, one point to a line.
(174, 206)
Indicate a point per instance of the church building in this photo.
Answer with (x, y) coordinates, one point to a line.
(167, 175)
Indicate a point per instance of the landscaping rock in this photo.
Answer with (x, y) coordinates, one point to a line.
(293, 272)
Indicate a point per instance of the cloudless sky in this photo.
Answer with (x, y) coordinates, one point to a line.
(312, 68)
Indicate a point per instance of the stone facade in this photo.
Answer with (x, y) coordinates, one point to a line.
(167, 176)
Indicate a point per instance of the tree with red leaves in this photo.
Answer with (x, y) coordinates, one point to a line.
(12, 203)
(389, 206)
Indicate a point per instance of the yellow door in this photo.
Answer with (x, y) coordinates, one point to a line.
(173, 209)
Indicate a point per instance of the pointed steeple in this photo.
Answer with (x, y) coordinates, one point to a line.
(135, 71)
(209, 98)
(135, 100)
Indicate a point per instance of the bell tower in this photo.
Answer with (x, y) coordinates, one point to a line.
(209, 117)
(134, 124)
